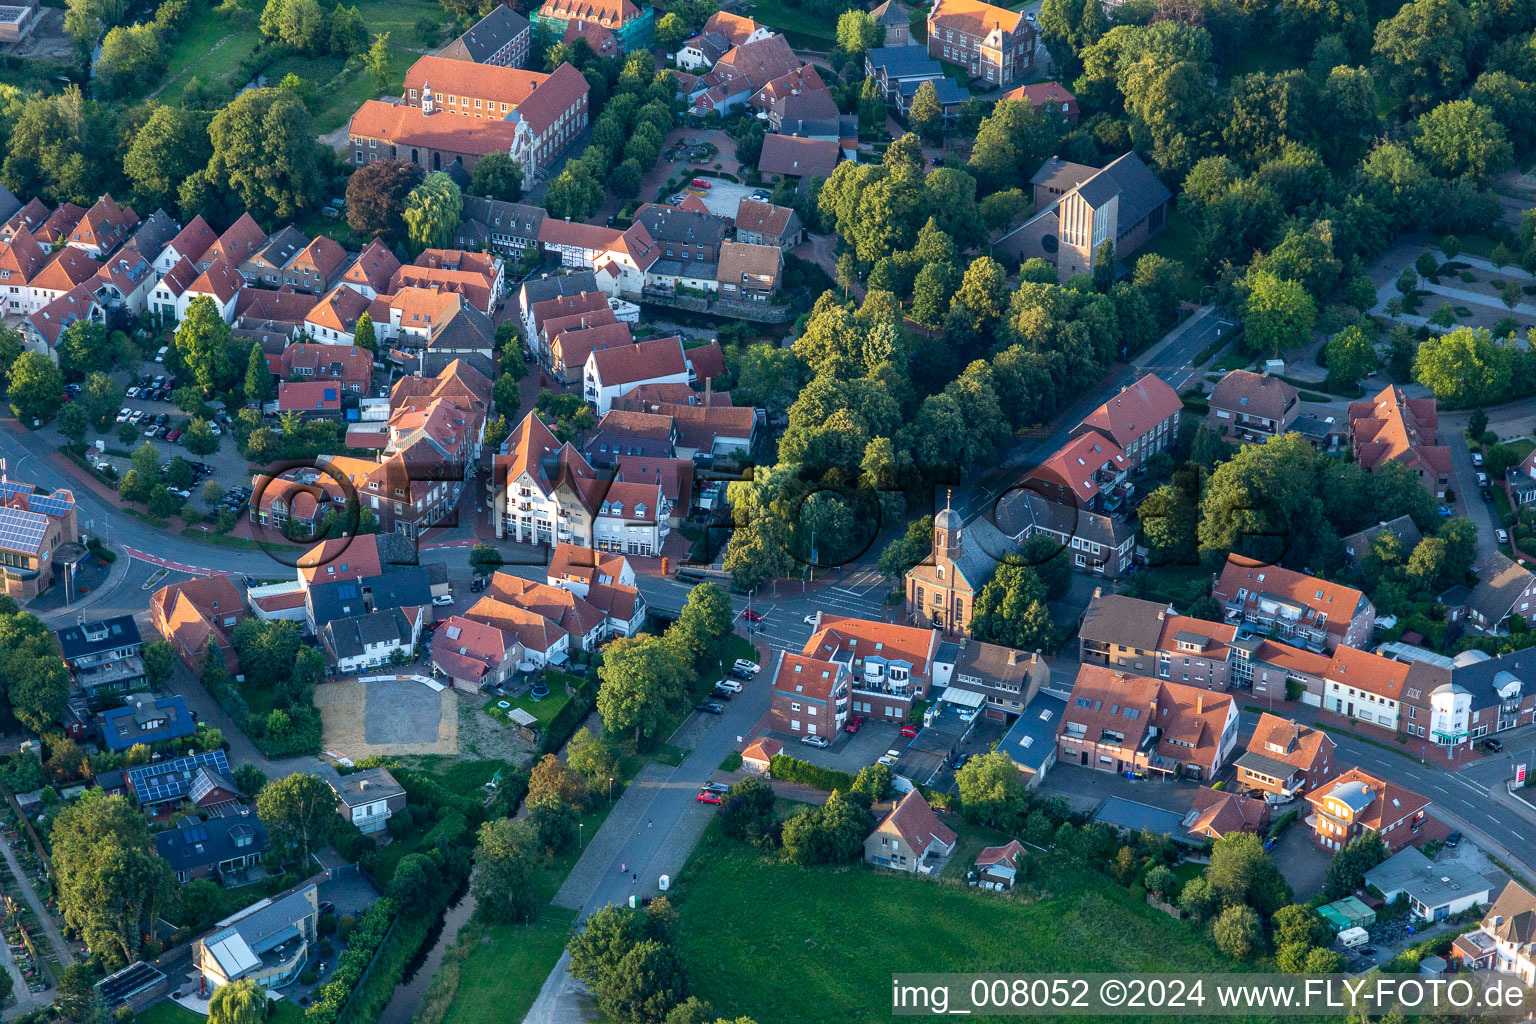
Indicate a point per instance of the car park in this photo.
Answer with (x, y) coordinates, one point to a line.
(151, 431)
(173, 436)
(710, 707)
(810, 620)
(819, 742)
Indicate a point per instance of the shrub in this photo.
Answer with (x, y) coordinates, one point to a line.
(791, 769)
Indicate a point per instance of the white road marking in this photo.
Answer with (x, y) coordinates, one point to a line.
(1517, 835)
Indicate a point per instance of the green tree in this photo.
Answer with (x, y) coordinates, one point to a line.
(296, 23)
(1014, 136)
(670, 31)
(1010, 610)
(503, 880)
(1238, 932)
(1277, 315)
(594, 757)
(131, 60)
(597, 949)
(348, 34)
(73, 423)
(1300, 923)
(258, 377)
(857, 32)
(1462, 367)
(239, 1002)
(159, 662)
(377, 62)
(364, 335)
(299, 811)
(913, 548)
(497, 176)
(640, 678)
(1421, 50)
(924, 115)
(575, 193)
(111, 881)
(1461, 139)
(199, 438)
(991, 790)
(432, 212)
(1346, 871)
(1169, 518)
(101, 397)
(202, 341)
(265, 154)
(161, 502)
(1351, 355)
(35, 387)
(1242, 873)
(647, 983)
(703, 627)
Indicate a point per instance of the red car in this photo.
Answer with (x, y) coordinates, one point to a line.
(707, 797)
(173, 436)
(909, 731)
(853, 725)
(752, 616)
(699, 183)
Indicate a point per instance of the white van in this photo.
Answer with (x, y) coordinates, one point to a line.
(160, 356)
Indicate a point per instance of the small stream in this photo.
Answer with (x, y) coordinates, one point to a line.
(423, 967)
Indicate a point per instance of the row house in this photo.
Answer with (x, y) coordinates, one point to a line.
(1141, 420)
(1355, 803)
(188, 244)
(683, 234)
(749, 273)
(165, 297)
(759, 223)
(103, 227)
(312, 399)
(236, 245)
(507, 229)
(265, 265)
(629, 26)
(1276, 670)
(59, 225)
(1005, 680)
(41, 331)
(28, 218)
(1148, 638)
(333, 320)
(606, 610)
(348, 367)
(1122, 723)
(1391, 427)
(1305, 610)
(480, 277)
(285, 306)
(623, 432)
(220, 283)
(1253, 406)
(578, 569)
(296, 501)
(471, 110)
(1477, 696)
(1285, 759)
(370, 274)
(1366, 686)
(542, 491)
(357, 643)
(566, 342)
(543, 641)
(547, 287)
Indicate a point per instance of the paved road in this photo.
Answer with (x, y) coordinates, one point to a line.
(1469, 501)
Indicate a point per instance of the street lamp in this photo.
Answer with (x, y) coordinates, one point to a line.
(610, 789)
(581, 833)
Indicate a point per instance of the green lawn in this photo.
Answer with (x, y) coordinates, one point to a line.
(794, 21)
(1522, 445)
(455, 774)
(544, 710)
(812, 945)
(166, 1012)
(210, 47)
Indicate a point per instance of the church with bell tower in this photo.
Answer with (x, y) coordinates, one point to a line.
(941, 593)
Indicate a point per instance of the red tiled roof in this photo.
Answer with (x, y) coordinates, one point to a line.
(577, 235)
(1078, 460)
(916, 823)
(105, 224)
(1394, 426)
(65, 269)
(339, 310)
(59, 223)
(1390, 802)
(613, 13)
(560, 91)
(1219, 813)
(322, 255)
(864, 636)
(406, 125)
(237, 244)
(645, 360)
(973, 17)
(470, 80)
(1136, 410)
(284, 306)
(1370, 672)
(762, 750)
(308, 396)
(1336, 600)
(375, 267)
(221, 280)
(1291, 742)
(22, 256)
(193, 240)
(179, 278)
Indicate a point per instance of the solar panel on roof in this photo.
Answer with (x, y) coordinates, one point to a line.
(169, 780)
(21, 530)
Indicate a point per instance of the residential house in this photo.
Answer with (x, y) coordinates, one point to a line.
(219, 848)
(542, 491)
(739, 73)
(888, 666)
(683, 235)
(265, 265)
(1394, 427)
(749, 273)
(566, 342)
(21, 257)
(1142, 419)
(715, 39)
(202, 779)
(1476, 697)
(104, 655)
(910, 838)
(789, 156)
(234, 246)
(198, 616)
(1505, 589)
(148, 721)
(295, 501)
(348, 367)
(316, 267)
(1356, 802)
(1122, 723)
(1285, 759)
(361, 642)
(1434, 891)
(1090, 471)
(633, 518)
(1030, 743)
(188, 244)
(1506, 937)
(1358, 544)
(809, 696)
(614, 372)
(1048, 98)
(997, 866)
(507, 229)
(1079, 208)
(1274, 669)
(34, 525)
(534, 118)
(220, 283)
(766, 224)
(124, 280)
(1148, 638)
(577, 569)
(893, 67)
(470, 654)
(1253, 406)
(366, 798)
(103, 227)
(267, 942)
(950, 94)
(333, 320)
(479, 277)
(1366, 686)
(59, 225)
(631, 25)
(165, 297)
(41, 331)
(502, 38)
(1097, 544)
(540, 291)
(993, 43)
(605, 610)
(370, 274)
(998, 681)
(63, 271)
(757, 756)
(1217, 813)
(27, 218)
(310, 398)
(1310, 612)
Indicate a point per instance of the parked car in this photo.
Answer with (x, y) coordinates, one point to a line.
(743, 665)
(710, 707)
(1487, 495)
(853, 726)
(699, 183)
(729, 684)
(327, 907)
(810, 620)
(136, 417)
(715, 787)
(1482, 479)
(675, 201)
(1445, 513)
(1491, 745)
(819, 742)
(1502, 535)
(123, 414)
(443, 600)
(1477, 458)
(909, 731)
(175, 437)
(1453, 840)
(151, 430)
(708, 797)
(721, 693)
(477, 584)
(133, 392)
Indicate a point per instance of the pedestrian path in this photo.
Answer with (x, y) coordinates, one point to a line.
(601, 853)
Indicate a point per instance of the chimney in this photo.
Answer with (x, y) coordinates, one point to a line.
(1200, 704)
(1098, 591)
(362, 783)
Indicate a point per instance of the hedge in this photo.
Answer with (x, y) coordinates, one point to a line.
(364, 942)
(792, 769)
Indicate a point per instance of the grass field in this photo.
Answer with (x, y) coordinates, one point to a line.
(210, 47)
(816, 33)
(544, 710)
(167, 1012)
(780, 942)
(1177, 242)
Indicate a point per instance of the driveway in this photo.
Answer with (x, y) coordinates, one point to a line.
(847, 753)
(1303, 863)
(1469, 501)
